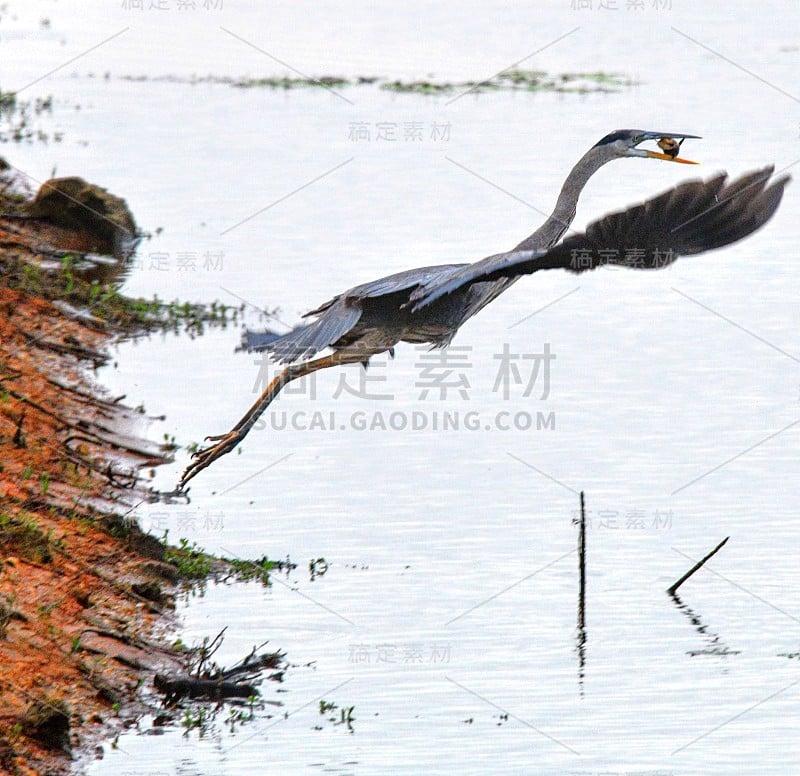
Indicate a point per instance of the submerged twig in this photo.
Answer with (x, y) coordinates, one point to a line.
(206, 680)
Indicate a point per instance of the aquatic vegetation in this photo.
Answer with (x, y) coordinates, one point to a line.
(18, 119)
(519, 80)
(328, 709)
(190, 560)
(103, 303)
(509, 80)
(256, 570)
(195, 564)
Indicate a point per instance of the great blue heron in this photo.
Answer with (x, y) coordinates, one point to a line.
(429, 304)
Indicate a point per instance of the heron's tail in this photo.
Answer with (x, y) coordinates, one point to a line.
(306, 340)
(283, 348)
(257, 341)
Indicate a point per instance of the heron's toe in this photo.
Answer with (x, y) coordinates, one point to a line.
(207, 455)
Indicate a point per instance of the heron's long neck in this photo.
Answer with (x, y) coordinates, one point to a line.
(550, 232)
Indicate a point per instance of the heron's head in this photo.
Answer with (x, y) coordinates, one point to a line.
(625, 142)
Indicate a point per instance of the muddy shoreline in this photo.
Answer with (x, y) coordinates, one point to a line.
(86, 599)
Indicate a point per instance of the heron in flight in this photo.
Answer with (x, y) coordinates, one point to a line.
(429, 304)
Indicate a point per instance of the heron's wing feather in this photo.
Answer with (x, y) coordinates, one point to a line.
(391, 284)
(305, 341)
(401, 281)
(339, 315)
(466, 274)
(694, 217)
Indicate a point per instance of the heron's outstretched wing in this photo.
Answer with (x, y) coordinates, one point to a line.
(391, 284)
(691, 218)
(339, 315)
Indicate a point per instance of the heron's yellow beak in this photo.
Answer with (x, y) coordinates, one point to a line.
(668, 158)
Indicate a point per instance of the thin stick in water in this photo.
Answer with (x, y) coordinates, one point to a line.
(582, 565)
(673, 588)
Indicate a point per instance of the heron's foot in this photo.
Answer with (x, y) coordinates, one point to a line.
(207, 455)
(214, 438)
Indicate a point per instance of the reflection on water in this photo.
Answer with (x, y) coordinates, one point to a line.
(581, 633)
(715, 644)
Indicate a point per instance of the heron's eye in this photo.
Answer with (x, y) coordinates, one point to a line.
(637, 139)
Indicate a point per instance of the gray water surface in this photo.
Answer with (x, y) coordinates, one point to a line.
(447, 616)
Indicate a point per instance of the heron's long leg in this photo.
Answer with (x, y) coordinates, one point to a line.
(227, 442)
